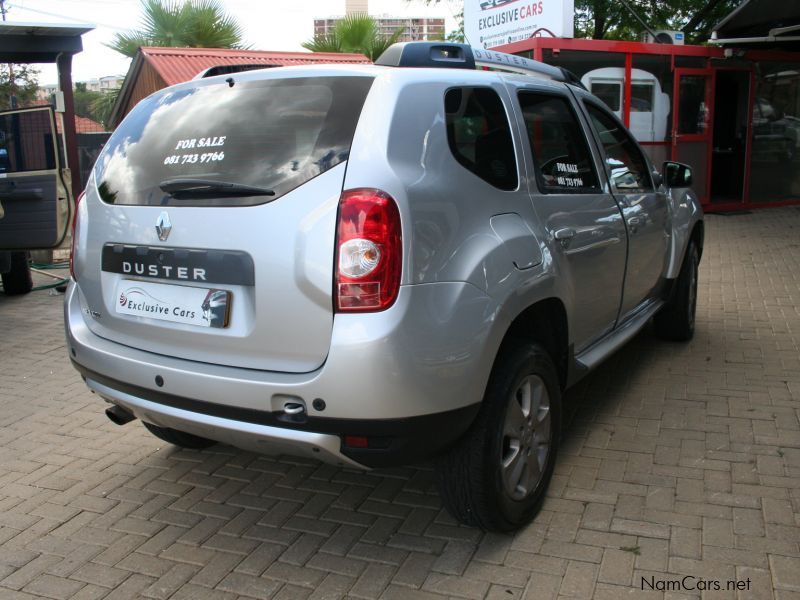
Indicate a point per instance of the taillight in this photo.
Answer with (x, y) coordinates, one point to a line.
(74, 235)
(369, 252)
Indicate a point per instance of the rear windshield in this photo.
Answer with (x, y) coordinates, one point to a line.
(275, 134)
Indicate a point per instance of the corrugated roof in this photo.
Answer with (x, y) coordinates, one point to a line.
(176, 65)
(82, 124)
(86, 125)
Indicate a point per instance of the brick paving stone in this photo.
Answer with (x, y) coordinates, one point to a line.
(785, 572)
(617, 566)
(579, 580)
(53, 587)
(372, 582)
(676, 459)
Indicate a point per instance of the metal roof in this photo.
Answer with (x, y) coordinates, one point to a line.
(764, 23)
(18, 28)
(176, 65)
(39, 42)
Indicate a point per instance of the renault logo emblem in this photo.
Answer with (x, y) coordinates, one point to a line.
(163, 226)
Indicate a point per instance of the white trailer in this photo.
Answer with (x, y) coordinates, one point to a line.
(650, 107)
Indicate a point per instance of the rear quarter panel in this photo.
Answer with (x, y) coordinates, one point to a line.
(446, 211)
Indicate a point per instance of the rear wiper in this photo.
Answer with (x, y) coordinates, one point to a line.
(182, 189)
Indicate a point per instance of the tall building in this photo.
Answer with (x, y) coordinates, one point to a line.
(414, 28)
(356, 6)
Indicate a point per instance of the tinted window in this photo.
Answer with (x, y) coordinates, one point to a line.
(610, 93)
(560, 154)
(275, 134)
(626, 165)
(479, 135)
(26, 141)
(642, 97)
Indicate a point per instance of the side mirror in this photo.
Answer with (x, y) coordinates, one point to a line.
(677, 175)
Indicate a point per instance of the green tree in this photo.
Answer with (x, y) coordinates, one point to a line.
(187, 23)
(609, 19)
(354, 33)
(102, 106)
(457, 35)
(20, 80)
(84, 99)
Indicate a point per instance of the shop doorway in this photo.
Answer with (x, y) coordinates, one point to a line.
(691, 125)
(730, 136)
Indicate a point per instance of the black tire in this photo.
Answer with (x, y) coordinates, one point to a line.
(474, 476)
(18, 280)
(675, 322)
(179, 438)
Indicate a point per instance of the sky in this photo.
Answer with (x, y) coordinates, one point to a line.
(267, 24)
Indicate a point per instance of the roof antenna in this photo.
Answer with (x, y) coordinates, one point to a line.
(638, 18)
(229, 81)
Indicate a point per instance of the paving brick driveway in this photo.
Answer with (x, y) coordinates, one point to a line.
(679, 460)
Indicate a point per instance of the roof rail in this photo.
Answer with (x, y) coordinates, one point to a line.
(463, 56)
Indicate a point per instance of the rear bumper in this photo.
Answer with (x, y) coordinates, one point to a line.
(392, 442)
(409, 379)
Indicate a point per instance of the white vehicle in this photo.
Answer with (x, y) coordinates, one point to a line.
(650, 106)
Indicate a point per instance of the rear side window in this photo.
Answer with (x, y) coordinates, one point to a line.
(26, 141)
(561, 156)
(480, 136)
(626, 164)
(275, 134)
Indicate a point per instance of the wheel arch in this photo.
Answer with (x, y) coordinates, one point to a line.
(697, 237)
(544, 322)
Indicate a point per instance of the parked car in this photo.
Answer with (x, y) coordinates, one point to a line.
(404, 264)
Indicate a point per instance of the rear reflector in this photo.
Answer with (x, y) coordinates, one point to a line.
(368, 252)
(356, 441)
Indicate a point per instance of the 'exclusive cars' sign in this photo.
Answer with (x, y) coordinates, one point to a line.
(490, 23)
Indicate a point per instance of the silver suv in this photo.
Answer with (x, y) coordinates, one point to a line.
(374, 265)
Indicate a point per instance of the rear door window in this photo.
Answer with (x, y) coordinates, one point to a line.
(479, 135)
(275, 134)
(561, 156)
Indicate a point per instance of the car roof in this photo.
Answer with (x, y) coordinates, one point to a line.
(396, 75)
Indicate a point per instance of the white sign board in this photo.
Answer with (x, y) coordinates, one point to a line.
(490, 23)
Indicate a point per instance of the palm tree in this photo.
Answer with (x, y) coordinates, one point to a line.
(354, 33)
(186, 23)
(103, 105)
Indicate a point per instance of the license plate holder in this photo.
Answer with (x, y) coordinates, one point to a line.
(199, 306)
